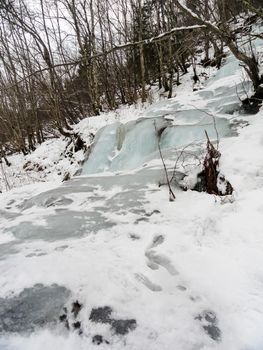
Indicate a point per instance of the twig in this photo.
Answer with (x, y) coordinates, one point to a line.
(214, 122)
(171, 193)
(177, 160)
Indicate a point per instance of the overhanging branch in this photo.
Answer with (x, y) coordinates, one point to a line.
(124, 46)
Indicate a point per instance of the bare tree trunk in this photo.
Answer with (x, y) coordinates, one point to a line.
(142, 66)
(224, 34)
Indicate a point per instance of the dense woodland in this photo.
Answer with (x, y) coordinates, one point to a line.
(63, 60)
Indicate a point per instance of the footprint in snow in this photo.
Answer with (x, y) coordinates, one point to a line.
(209, 322)
(157, 260)
(149, 284)
(157, 240)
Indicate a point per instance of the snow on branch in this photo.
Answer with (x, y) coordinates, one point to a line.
(148, 40)
(201, 21)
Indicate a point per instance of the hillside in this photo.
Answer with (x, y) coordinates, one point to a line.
(106, 260)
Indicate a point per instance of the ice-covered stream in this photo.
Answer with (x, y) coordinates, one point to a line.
(120, 147)
(106, 259)
(173, 123)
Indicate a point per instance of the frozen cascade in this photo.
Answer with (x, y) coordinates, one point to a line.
(119, 146)
(124, 147)
(128, 146)
(182, 135)
(230, 67)
(224, 95)
(104, 147)
(140, 142)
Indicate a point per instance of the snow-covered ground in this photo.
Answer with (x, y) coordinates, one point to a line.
(133, 270)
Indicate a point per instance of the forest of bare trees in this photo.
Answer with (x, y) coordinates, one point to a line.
(63, 60)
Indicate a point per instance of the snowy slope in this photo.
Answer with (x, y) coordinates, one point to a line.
(49, 163)
(182, 275)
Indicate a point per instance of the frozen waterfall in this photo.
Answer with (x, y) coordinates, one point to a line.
(128, 146)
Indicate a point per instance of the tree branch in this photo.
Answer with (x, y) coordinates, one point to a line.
(124, 46)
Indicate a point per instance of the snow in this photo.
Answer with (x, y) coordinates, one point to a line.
(46, 163)
(114, 239)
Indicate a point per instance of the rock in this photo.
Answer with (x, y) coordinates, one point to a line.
(76, 325)
(64, 319)
(123, 327)
(31, 166)
(76, 307)
(98, 339)
(252, 105)
(101, 315)
(66, 177)
(200, 185)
